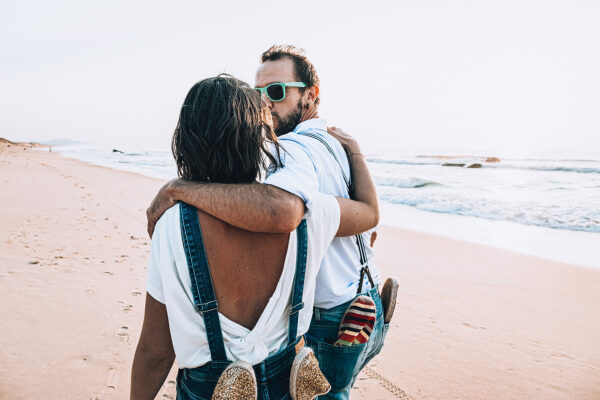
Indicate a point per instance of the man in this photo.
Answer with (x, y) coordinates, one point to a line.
(290, 85)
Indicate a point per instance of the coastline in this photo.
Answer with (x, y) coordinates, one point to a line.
(572, 246)
(472, 321)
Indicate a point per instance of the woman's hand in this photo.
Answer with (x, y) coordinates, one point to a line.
(348, 142)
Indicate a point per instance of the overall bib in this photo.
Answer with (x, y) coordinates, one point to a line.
(272, 374)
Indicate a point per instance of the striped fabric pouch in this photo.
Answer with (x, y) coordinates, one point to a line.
(357, 323)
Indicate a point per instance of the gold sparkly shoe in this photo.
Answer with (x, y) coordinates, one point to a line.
(237, 382)
(306, 379)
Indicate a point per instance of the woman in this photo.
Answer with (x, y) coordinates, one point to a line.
(218, 294)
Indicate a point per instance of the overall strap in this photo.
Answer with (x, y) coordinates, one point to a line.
(205, 301)
(364, 262)
(330, 150)
(298, 288)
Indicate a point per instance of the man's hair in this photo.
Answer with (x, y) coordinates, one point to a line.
(303, 69)
(223, 133)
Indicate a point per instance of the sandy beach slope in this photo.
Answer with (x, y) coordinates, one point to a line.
(472, 322)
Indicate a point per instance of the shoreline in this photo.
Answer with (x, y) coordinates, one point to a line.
(544, 242)
(472, 321)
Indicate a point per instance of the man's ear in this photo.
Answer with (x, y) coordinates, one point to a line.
(316, 90)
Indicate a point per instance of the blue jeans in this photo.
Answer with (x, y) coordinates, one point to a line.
(342, 364)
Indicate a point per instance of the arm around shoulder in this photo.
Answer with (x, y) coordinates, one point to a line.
(254, 207)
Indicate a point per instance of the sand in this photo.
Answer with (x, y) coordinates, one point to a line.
(472, 322)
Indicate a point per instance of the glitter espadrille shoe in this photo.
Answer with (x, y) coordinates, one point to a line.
(306, 379)
(237, 382)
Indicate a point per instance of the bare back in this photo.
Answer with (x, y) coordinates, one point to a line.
(245, 267)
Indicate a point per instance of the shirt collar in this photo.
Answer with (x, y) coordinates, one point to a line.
(315, 123)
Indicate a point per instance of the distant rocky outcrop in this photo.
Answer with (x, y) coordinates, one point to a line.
(492, 159)
(474, 165)
(477, 159)
(11, 143)
(117, 151)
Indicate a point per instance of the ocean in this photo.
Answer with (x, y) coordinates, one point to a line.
(556, 200)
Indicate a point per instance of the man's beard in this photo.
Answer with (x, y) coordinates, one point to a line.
(289, 123)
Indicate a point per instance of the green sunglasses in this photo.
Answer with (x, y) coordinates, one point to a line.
(276, 91)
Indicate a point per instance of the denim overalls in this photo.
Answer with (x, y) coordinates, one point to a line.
(273, 374)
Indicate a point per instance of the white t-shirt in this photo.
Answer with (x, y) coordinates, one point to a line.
(169, 283)
(310, 168)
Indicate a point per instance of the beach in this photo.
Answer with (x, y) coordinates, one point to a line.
(472, 321)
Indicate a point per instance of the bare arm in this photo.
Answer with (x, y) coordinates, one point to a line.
(154, 355)
(362, 213)
(254, 207)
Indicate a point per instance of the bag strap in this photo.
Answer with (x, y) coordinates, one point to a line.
(364, 261)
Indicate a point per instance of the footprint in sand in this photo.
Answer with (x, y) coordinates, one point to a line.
(123, 334)
(124, 306)
(136, 293)
(104, 392)
(107, 273)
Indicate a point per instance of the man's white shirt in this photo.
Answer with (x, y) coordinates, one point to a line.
(309, 168)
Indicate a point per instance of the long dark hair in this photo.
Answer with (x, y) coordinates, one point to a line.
(224, 133)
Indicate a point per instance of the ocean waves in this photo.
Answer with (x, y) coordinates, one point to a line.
(576, 166)
(559, 194)
(403, 182)
(571, 217)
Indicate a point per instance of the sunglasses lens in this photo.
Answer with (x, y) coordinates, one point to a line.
(275, 92)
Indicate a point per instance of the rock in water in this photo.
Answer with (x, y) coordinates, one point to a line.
(447, 164)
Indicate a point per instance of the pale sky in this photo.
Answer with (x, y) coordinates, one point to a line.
(503, 77)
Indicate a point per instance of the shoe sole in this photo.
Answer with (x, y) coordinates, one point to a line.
(246, 367)
(357, 305)
(389, 295)
(302, 354)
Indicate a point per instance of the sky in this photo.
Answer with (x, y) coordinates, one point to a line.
(404, 77)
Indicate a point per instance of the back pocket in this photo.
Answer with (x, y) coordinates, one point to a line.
(339, 362)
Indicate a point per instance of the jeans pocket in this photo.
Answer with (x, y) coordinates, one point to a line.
(338, 363)
(186, 393)
(199, 383)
